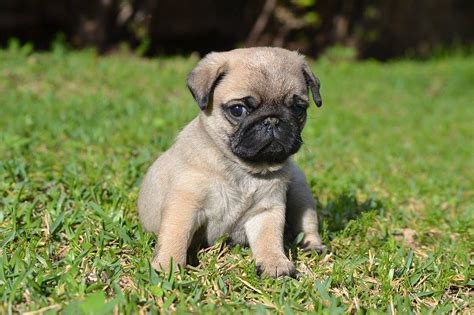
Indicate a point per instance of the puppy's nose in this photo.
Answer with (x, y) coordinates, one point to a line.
(271, 121)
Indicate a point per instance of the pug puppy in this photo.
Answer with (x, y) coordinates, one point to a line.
(229, 171)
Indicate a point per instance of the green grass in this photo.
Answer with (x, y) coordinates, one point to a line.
(389, 158)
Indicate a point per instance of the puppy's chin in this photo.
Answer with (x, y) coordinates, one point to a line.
(261, 145)
(272, 153)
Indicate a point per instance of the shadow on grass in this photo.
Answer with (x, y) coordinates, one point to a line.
(335, 215)
(337, 212)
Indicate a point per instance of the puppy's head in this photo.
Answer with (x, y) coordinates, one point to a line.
(254, 101)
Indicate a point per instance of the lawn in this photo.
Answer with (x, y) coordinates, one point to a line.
(389, 156)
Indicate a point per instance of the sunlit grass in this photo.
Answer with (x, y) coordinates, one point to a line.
(389, 158)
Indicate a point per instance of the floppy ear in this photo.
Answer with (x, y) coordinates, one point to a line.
(205, 77)
(313, 83)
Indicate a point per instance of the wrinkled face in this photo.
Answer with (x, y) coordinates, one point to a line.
(255, 102)
(265, 131)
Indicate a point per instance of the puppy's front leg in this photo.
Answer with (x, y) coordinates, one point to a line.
(265, 235)
(178, 225)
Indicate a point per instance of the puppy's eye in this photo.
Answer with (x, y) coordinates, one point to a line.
(298, 110)
(238, 111)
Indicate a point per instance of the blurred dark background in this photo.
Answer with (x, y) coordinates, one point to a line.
(375, 29)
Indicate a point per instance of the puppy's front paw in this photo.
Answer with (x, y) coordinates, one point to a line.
(160, 263)
(275, 268)
(312, 242)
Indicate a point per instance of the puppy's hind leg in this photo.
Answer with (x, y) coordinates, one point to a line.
(301, 215)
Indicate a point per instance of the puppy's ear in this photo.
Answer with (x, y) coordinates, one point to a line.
(204, 78)
(313, 83)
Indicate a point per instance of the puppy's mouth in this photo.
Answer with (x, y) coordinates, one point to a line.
(266, 143)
